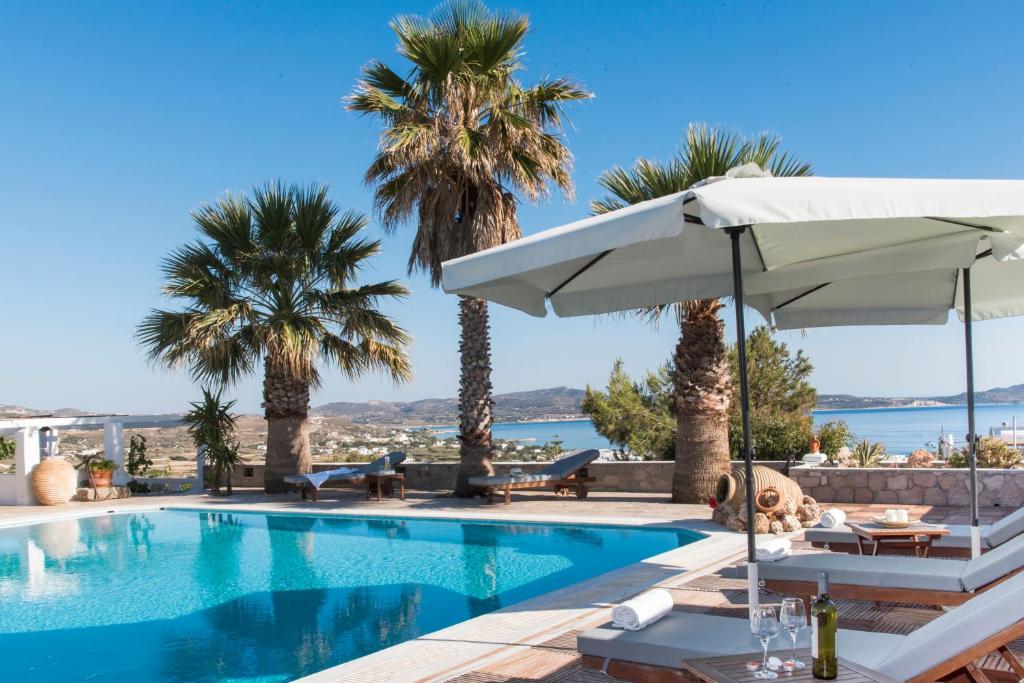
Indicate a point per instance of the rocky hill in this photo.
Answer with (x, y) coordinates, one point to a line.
(1011, 394)
(538, 404)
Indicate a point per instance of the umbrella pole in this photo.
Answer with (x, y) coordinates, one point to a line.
(972, 451)
(748, 466)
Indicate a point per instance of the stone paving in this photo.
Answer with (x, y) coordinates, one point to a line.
(724, 593)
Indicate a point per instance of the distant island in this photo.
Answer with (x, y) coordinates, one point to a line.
(560, 403)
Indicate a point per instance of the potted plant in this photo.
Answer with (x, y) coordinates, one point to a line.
(101, 473)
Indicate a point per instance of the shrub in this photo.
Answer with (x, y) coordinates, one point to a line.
(102, 465)
(6, 448)
(186, 487)
(991, 452)
(777, 435)
(137, 463)
(137, 487)
(867, 454)
(833, 435)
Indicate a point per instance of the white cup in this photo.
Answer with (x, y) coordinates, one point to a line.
(891, 515)
(902, 516)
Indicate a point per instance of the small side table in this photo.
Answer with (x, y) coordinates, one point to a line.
(733, 669)
(918, 536)
(380, 481)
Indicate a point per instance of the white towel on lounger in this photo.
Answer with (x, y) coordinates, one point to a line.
(773, 549)
(643, 610)
(832, 518)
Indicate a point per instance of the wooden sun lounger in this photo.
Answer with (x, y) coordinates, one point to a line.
(961, 668)
(576, 482)
(847, 591)
(566, 475)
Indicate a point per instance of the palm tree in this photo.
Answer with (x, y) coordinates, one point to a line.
(701, 373)
(212, 428)
(274, 282)
(462, 139)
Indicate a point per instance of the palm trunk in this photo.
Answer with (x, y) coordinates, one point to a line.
(702, 385)
(286, 408)
(475, 402)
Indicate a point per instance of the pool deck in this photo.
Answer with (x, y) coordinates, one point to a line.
(533, 640)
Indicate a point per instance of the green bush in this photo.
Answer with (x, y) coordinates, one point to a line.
(991, 452)
(867, 454)
(6, 448)
(102, 465)
(137, 463)
(777, 435)
(833, 436)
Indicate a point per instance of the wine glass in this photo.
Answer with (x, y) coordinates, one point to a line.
(794, 618)
(765, 626)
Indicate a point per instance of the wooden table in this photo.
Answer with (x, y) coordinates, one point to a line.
(918, 536)
(733, 669)
(382, 480)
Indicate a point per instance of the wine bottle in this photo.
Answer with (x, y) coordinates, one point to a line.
(824, 621)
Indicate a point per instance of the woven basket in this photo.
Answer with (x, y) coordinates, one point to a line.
(53, 481)
(731, 491)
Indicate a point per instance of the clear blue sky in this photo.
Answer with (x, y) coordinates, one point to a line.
(117, 118)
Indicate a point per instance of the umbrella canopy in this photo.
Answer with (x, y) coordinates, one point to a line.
(915, 298)
(802, 232)
(746, 234)
(988, 289)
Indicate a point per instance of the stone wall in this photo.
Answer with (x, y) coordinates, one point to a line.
(649, 476)
(909, 486)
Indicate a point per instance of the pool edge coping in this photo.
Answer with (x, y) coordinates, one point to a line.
(582, 604)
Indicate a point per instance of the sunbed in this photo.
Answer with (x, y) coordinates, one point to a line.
(310, 484)
(956, 544)
(564, 474)
(927, 581)
(940, 650)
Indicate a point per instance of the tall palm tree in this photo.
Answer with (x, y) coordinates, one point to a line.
(701, 373)
(273, 281)
(462, 139)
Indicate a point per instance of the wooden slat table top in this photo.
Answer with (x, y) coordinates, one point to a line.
(733, 669)
(877, 530)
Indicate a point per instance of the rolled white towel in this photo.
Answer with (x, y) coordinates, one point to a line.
(773, 549)
(832, 518)
(643, 610)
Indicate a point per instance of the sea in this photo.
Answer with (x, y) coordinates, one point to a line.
(902, 430)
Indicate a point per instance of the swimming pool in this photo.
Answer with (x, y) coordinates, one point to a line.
(189, 595)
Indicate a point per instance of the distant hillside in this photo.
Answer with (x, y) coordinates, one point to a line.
(538, 404)
(12, 411)
(1014, 394)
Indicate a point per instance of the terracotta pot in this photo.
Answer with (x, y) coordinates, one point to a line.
(815, 445)
(102, 478)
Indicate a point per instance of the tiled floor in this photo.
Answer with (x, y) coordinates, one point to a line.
(724, 593)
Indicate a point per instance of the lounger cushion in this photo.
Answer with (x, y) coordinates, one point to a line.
(505, 479)
(576, 460)
(994, 564)
(1005, 529)
(865, 570)
(980, 617)
(959, 536)
(682, 635)
(349, 474)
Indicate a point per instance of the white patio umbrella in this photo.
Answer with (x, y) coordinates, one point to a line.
(747, 235)
(988, 289)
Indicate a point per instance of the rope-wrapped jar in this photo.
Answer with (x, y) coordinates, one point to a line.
(731, 491)
(53, 481)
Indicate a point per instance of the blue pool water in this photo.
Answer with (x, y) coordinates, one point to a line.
(187, 595)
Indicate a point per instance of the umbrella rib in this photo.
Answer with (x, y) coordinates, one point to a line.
(963, 223)
(578, 273)
(812, 290)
